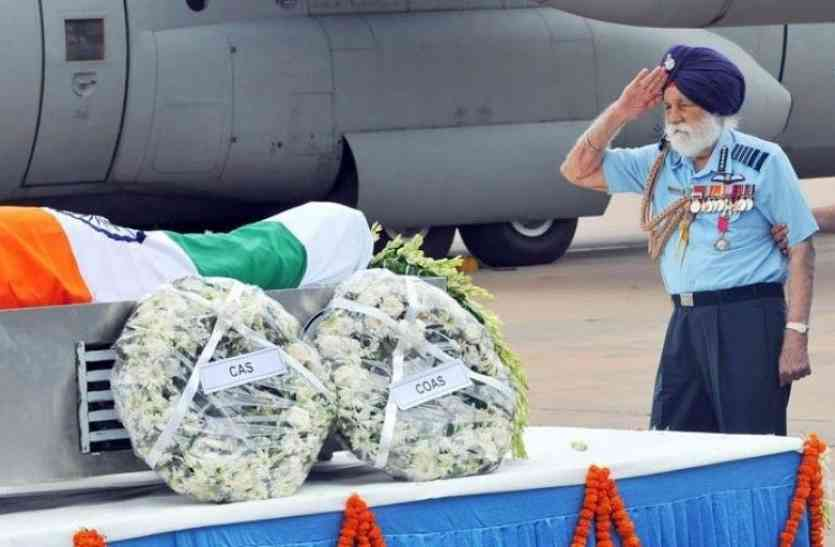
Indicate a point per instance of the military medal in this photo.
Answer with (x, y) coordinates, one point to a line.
(695, 206)
(696, 197)
(716, 198)
(743, 199)
(723, 224)
(727, 198)
(739, 203)
(728, 204)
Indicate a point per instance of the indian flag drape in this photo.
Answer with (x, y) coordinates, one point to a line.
(50, 257)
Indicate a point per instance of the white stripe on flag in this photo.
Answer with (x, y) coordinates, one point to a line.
(337, 240)
(116, 269)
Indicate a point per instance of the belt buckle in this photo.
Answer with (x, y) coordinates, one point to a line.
(686, 299)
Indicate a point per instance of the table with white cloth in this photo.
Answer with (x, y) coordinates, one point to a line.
(681, 490)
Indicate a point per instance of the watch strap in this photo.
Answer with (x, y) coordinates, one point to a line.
(802, 328)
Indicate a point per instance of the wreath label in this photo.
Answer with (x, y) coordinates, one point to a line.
(242, 369)
(431, 384)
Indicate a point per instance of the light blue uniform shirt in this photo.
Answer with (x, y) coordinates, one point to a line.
(753, 257)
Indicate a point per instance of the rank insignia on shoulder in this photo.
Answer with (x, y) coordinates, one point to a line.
(750, 156)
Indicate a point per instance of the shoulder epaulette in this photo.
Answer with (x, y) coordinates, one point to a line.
(750, 156)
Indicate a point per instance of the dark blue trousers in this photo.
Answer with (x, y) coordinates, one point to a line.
(719, 369)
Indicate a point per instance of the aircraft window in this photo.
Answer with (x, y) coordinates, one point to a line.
(196, 5)
(85, 39)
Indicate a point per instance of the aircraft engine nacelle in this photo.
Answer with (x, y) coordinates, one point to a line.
(706, 13)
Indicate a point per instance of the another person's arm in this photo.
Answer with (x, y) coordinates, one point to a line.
(584, 164)
(824, 216)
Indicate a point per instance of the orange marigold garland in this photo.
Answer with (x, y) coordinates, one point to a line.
(359, 528)
(808, 491)
(604, 512)
(603, 501)
(88, 538)
(623, 522)
(581, 532)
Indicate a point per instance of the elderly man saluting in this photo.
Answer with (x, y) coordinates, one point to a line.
(711, 195)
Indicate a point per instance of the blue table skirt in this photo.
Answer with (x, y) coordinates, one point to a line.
(736, 504)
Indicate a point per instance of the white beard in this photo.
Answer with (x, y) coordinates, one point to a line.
(692, 140)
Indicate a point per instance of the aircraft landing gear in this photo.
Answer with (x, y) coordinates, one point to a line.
(523, 243)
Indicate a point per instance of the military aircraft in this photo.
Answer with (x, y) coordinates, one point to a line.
(428, 115)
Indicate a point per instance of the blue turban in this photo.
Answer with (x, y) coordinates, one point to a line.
(706, 77)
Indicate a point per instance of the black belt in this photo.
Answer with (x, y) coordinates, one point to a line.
(726, 296)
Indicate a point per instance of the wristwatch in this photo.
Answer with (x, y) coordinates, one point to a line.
(802, 328)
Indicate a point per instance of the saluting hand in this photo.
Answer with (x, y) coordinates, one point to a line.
(642, 94)
(794, 358)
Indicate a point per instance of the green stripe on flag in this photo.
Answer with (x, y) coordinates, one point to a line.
(265, 254)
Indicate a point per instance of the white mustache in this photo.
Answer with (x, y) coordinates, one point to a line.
(690, 139)
(679, 129)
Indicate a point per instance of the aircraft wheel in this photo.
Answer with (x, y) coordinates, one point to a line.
(523, 243)
(437, 240)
